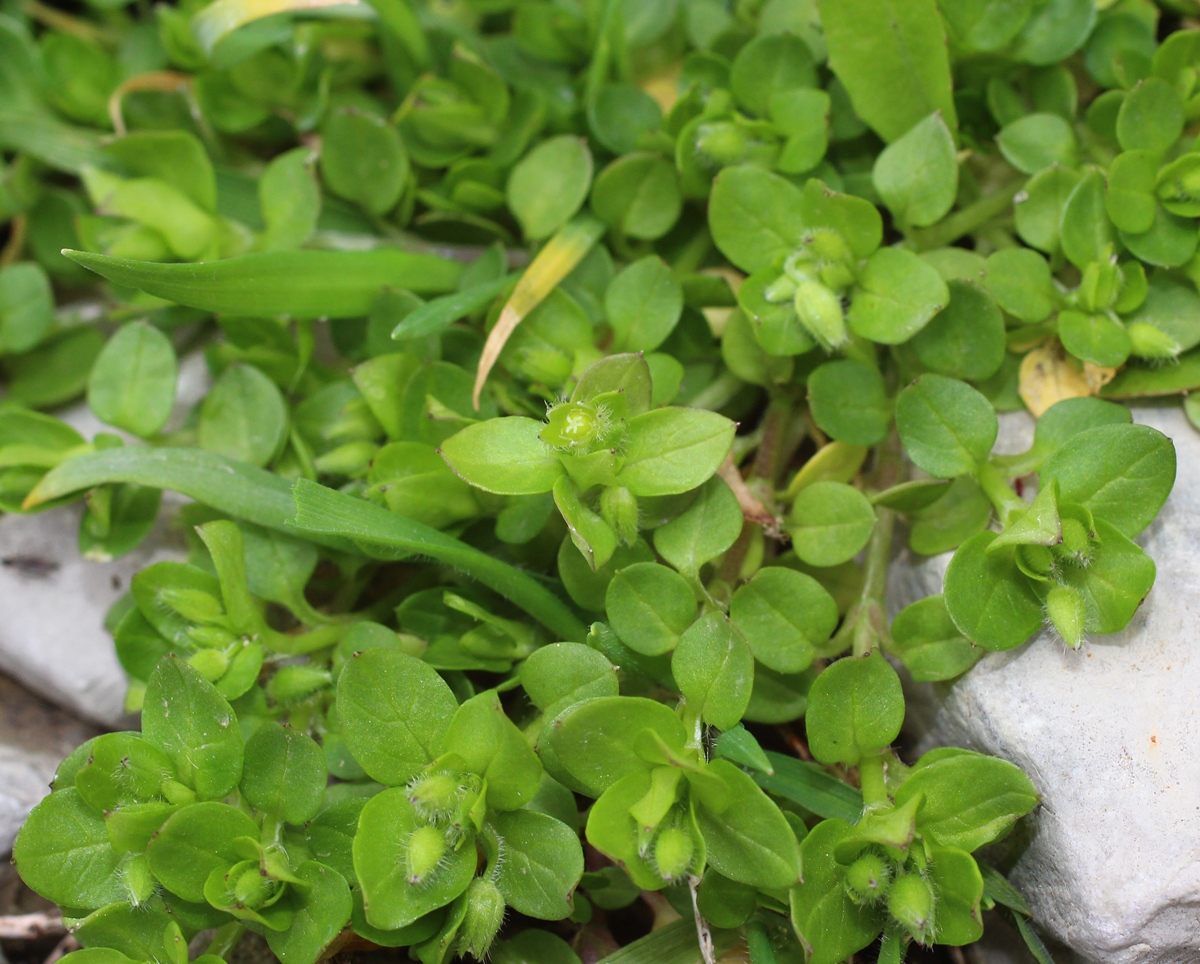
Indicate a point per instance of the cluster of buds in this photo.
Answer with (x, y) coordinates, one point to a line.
(875, 879)
(665, 836)
(814, 279)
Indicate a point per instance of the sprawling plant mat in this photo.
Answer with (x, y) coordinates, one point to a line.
(577, 365)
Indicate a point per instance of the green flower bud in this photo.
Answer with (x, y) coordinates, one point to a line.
(820, 312)
(209, 663)
(1076, 545)
(252, 888)
(673, 852)
(139, 882)
(910, 901)
(426, 848)
(571, 425)
(780, 290)
(619, 508)
(292, 683)
(867, 879)
(1150, 341)
(434, 794)
(1065, 607)
(212, 637)
(485, 914)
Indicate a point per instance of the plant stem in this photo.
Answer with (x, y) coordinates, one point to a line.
(1005, 501)
(759, 944)
(966, 221)
(871, 779)
(869, 614)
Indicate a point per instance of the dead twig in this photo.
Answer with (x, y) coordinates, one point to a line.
(62, 949)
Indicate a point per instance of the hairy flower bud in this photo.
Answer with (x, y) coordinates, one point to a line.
(426, 848)
(673, 852)
(252, 888)
(209, 663)
(619, 508)
(1065, 607)
(723, 142)
(1150, 341)
(296, 682)
(434, 794)
(910, 901)
(820, 312)
(867, 879)
(485, 914)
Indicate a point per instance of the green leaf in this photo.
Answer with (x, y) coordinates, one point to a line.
(897, 294)
(541, 864)
(812, 787)
(892, 60)
(194, 842)
(1087, 234)
(830, 523)
(1151, 117)
(959, 887)
(321, 908)
(1038, 141)
(970, 799)
(1038, 209)
(989, 598)
(243, 417)
(703, 531)
(525, 947)
(298, 284)
(63, 852)
(1122, 473)
(290, 200)
(284, 773)
(643, 304)
(1098, 339)
(549, 185)
(503, 455)
(122, 768)
(649, 607)
(382, 864)
(675, 943)
(562, 674)
(855, 707)
(1129, 197)
(947, 427)
(26, 307)
(492, 746)
(714, 668)
(1020, 281)
(363, 160)
(785, 616)
(849, 402)
(393, 711)
(1113, 584)
(827, 921)
(966, 339)
(638, 195)
(929, 644)
(750, 841)
(672, 450)
(917, 175)
(594, 743)
(755, 217)
(185, 716)
(768, 65)
(132, 385)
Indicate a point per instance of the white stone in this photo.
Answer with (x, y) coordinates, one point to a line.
(52, 635)
(34, 738)
(1110, 735)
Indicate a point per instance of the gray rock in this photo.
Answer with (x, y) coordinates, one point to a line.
(34, 738)
(1110, 735)
(52, 637)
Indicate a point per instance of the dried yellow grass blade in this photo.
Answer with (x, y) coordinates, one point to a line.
(223, 17)
(553, 263)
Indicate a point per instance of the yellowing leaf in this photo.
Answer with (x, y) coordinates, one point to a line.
(1046, 377)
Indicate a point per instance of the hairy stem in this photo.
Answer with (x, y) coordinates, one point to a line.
(968, 220)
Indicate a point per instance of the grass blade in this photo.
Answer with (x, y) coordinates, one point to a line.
(322, 511)
(442, 312)
(297, 284)
(674, 944)
(812, 787)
